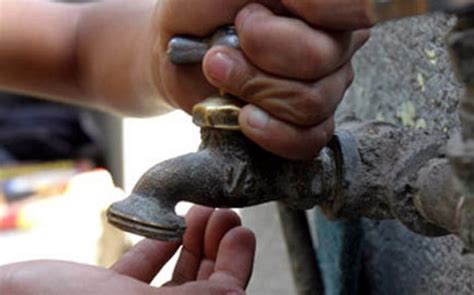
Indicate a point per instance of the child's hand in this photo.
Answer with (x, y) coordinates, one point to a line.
(292, 75)
(216, 258)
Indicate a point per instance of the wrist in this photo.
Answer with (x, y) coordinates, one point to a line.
(144, 69)
(114, 57)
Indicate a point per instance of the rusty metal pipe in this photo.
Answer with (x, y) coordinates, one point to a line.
(228, 171)
(150, 210)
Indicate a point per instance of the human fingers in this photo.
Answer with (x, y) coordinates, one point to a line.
(187, 267)
(302, 104)
(283, 139)
(184, 86)
(293, 119)
(202, 17)
(334, 14)
(234, 262)
(289, 47)
(219, 224)
(145, 259)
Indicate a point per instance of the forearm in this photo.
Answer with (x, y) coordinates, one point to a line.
(90, 54)
(36, 47)
(114, 46)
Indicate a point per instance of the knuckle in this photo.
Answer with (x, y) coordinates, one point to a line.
(309, 108)
(299, 117)
(304, 117)
(239, 79)
(312, 108)
(249, 87)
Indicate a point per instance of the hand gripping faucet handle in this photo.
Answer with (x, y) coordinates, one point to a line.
(191, 50)
(219, 111)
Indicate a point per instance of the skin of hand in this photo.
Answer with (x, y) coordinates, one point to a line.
(111, 54)
(334, 14)
(216, 258)
(291, 74)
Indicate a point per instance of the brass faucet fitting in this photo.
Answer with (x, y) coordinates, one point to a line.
(218, 112)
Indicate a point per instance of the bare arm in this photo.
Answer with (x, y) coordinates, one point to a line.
(111, 54)
(93, 54)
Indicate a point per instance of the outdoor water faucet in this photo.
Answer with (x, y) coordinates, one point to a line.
(229, 170)
(369, 169)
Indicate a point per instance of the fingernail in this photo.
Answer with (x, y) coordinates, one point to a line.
(257, 118)
(219, 66)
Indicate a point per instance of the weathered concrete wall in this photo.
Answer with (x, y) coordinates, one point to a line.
(404, 77)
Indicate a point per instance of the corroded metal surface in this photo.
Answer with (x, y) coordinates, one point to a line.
(404, 76)
(385, 182)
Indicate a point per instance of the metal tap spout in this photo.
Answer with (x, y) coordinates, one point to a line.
(228, 171)
(149, 210)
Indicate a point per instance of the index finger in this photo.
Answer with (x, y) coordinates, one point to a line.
(334, 14)
(235, 258)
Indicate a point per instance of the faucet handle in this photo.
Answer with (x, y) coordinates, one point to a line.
(218, 112)
(191, 50)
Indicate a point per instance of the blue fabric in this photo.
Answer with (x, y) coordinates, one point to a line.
(338, 248)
